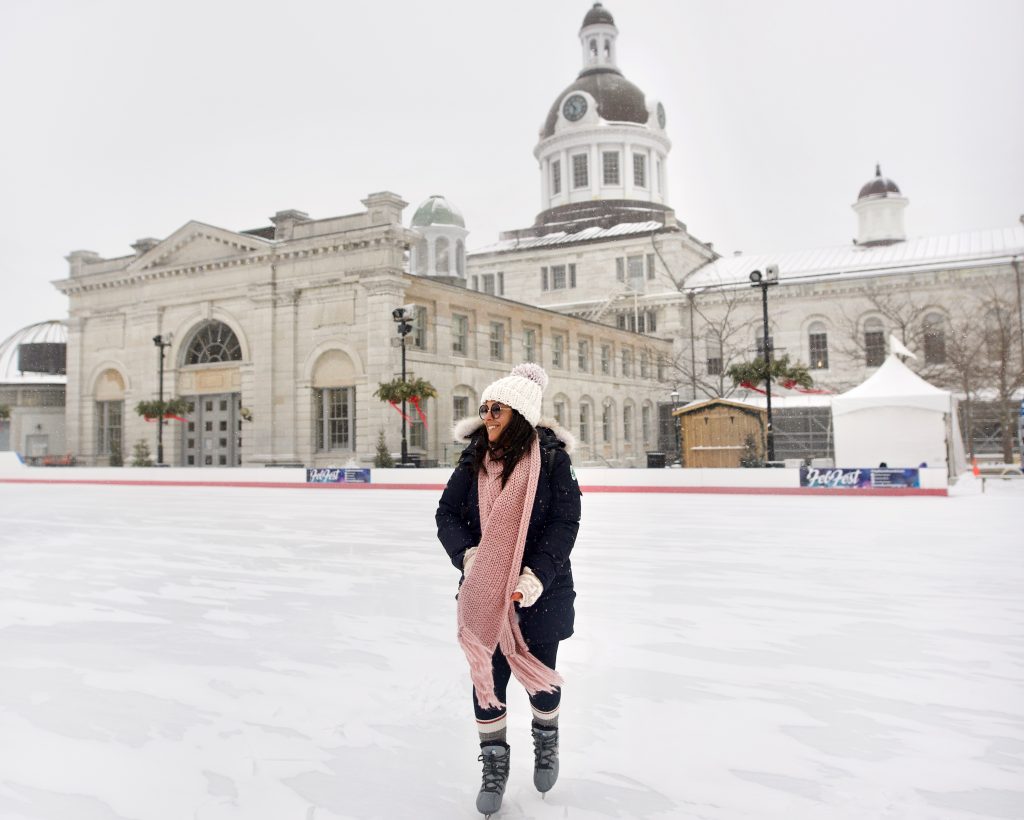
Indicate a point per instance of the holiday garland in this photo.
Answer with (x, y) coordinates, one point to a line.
(172, 408)
(410, 390)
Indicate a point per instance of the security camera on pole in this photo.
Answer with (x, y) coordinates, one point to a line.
(757, 280)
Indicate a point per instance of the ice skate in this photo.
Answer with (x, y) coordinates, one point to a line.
(545, 758)
(495, 759)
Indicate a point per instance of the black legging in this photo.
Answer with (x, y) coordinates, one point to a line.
(543, 701)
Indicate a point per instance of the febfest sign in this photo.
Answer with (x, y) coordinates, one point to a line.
(859, 477)
(337, 475)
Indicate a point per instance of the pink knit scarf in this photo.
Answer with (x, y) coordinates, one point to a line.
(486, 615)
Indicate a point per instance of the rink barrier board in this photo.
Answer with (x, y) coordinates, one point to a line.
(586, 488)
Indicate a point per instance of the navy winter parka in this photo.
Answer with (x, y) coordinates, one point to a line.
(554, 522)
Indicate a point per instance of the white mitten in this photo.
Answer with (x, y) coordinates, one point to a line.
(467, 559)
(529, 587)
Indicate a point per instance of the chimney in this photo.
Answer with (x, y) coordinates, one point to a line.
(285, 222)
(384, 208)
(77, 260)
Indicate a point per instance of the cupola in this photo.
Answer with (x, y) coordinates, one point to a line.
(879, 208)
(440, 250)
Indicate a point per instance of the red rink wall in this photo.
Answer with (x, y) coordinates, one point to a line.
(592, 480)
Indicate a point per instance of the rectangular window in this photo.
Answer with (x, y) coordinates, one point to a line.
(819, 351)
(572, 276)
(460, 334)
(635, 268)
(419, 333)
(558, 350)
(714, 364)
(652, 321)
(640, 170)
(610, 161)
(650, 266)
(543, 278)
(334, 409)
(460, 407)
(874, 348)
(583, 356)
(557, 277)
(627, 422)
(109, 423)
(645, 364)
(580, 168)
(606, 359)
(417, 434)
(475, 282)
(620, 269)
(661, 368)
(627, 363)
(488, 282)
(645, 422)
(657, 165)
(497, 341)
(760, 345)
(530, 345)
(501, 282)
(556, 176)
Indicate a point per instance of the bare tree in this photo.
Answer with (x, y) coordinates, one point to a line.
(724, 333)
(902, 315)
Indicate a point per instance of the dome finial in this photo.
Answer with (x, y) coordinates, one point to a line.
(878, 169)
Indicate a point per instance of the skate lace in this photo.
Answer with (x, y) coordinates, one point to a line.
(495, 772)
(545, 749)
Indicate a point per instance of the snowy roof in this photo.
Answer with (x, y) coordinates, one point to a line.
(892, 385)
(563, 238)
(913, 255)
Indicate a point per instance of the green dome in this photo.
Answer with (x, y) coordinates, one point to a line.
(437, 211)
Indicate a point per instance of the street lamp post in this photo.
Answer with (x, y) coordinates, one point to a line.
(162, 343)
(400, 315)
(771, 277)
(675, 423)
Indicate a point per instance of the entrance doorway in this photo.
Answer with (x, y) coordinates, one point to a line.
(213, 431)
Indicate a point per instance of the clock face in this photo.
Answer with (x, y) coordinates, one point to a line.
(661, 116)
(574, 107)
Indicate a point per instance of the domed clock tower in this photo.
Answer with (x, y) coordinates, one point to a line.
(603, 147)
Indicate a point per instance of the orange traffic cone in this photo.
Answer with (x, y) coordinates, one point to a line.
(974, 466)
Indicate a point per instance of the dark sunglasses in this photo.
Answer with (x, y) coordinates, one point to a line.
(495, 410)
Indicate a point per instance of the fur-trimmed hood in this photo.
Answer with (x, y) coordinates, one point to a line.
(464, 429)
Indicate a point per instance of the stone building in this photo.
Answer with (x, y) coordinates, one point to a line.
(278, 337)
(607, 246)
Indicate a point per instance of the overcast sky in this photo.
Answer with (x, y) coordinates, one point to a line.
(127, 119)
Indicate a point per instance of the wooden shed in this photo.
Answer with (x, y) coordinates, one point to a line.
(714, 433)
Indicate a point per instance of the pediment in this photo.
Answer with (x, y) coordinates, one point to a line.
(196, 243)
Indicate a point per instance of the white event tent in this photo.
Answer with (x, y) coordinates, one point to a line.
(897, 418)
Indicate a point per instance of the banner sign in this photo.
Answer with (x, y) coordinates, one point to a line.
(859, 477)
(337, 475)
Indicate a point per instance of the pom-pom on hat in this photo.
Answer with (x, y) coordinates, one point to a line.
(521, 390)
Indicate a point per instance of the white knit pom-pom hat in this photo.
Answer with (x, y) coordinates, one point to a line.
(521, 390)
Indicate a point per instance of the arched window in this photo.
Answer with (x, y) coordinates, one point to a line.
(585, 421)
(874, 342)
(420, 254)
(213, 342)
(627, 422)
(934, 339)
(334, 402)
(593, 49)
(460, 258)
(442, 246)
(109, 396)
(817, 345)
(607, 421)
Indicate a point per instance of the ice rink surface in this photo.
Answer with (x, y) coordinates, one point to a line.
(207, 653)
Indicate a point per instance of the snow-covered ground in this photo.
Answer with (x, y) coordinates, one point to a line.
(207, 653)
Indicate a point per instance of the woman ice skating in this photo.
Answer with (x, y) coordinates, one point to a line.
(508, 519)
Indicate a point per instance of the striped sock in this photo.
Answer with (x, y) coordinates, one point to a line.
(545, 720)
(492, 731)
